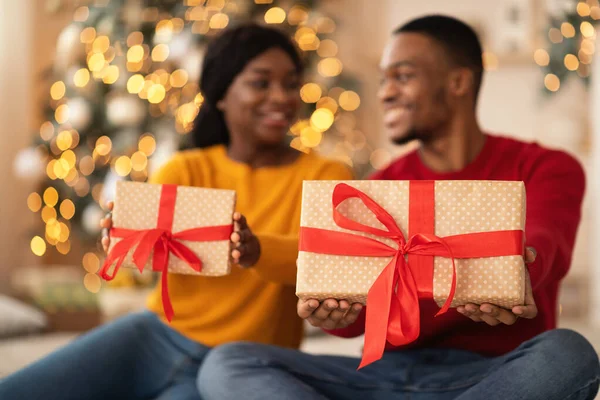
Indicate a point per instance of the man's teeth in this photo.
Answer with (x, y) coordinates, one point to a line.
(278, 116)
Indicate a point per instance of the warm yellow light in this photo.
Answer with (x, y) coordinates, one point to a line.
(178, 24)
(583, 9)
(552, 82)
(86, 165)
(48, 213)
(135, 38)
(186, 114)
(135, 54)
(61, 168)
(71, 178)
(82, 187)
(123, 166)
(325, 25)
(50, 196)
(297, 15)
(310, 93)
(81, 77)
(81, 14)
(38, 246)
(555, 35)
(50, 169)
(47, 130)
(135, 83)
(87, 35)
(328, 103)
(101, 44)
(329, 67)
(103, 145)
(321, 119)
(310, 137)
(571, 62)
(275, 15)
(96, 62)
(156, 93)
(63, 247)
(179, 78)
(92, 283)
(139, 161)
(70, 158)
(112, 75)
(34, 202)
(263, 1)
(595, 12)
(541, 57)
(587, 29)
(584, 57)
(198, 99)
(160, 53)
(349, 100)
(67, 209)
(219, 21)
(567, 30)
(490, 61)
(147, 145)
(327, 48)
(58, 89)
(588, 46)
(64, 140)
(62, 114)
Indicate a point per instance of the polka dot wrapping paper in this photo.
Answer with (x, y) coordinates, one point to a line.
(137, 205)
(460, 207)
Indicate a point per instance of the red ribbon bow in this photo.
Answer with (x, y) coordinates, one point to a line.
(393, 299)
(162, 241)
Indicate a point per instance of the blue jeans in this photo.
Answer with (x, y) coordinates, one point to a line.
(558, 364)
(135, 357)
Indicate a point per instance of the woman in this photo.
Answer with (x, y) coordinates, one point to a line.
(250, 82)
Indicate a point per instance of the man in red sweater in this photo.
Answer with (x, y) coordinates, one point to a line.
(431, 75)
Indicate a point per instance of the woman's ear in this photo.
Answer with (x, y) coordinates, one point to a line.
(221, 105)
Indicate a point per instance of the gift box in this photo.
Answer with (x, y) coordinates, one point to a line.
(388, 243)
(179, 229)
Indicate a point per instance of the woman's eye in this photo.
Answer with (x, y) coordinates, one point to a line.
(260, 84)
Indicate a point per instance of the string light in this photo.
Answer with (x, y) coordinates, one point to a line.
(275, 15)
(349, 100)
(38, 246)
(81, 77)
(329, 67)
(310, 93)
(47, 130)
(57, 90)
(552, 82)
(541, 57)
(219, 21)
(571, 62)
(34, 202)
(147, 145)
(321, 119)
(567, 30)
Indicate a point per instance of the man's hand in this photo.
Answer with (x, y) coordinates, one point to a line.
(330, 314)
(494, 315)
(246, 247)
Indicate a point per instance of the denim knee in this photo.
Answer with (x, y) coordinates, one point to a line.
(220, 367)
(574, 354)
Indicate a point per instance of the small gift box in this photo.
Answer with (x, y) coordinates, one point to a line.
(388, 243)
(179, 229)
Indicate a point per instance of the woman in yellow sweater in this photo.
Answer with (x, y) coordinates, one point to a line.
(250, 81)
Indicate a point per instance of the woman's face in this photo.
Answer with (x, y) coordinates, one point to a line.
(263, 100)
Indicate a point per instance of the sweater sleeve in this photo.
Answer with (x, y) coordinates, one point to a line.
(174, 172)
(280, 252)
(555, 190)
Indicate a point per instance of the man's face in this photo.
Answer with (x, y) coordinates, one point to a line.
(414, 88)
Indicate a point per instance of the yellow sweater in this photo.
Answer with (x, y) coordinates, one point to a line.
(256, 304)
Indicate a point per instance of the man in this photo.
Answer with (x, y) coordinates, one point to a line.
(432, 72)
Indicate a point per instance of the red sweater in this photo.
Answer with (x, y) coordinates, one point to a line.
(555, 184)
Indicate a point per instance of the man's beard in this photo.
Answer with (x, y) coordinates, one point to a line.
(412, 135)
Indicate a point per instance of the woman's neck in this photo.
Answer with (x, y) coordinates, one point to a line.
(257, 156)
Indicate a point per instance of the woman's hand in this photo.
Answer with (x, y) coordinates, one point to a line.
(106, 224)
(245, 245)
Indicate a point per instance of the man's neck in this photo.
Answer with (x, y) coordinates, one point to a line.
(453, 149)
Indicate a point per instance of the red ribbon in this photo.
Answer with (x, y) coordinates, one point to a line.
(163, 241)
(393, 300)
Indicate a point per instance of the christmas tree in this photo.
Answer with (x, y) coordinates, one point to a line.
(124, 94)
(571, 35)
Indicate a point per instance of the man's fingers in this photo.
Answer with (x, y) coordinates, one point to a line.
(241, 236)
(530, 255)
(238, 252)
(110, 205)
(491, 321)
(497, 313)
(529, 311)
(353, 313)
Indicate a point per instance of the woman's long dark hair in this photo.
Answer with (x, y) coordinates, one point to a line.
(225, 57)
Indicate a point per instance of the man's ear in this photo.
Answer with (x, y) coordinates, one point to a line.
(462, 82)
(221, 105)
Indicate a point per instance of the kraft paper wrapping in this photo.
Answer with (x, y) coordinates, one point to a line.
(460, 207)
(136, 207)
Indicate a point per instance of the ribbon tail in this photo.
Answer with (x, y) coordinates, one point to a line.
(378, 314)
(405, 318)
(160, 260)
(184, 253)
(166, 300)
(448, 302)
(118, 253)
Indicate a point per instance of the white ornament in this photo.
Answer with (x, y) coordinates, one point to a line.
(125, 110)
(68, 48)
(90, 219)
(109, 187)
(180, 46)
(29, 164)
(192, 64)
(80, 113)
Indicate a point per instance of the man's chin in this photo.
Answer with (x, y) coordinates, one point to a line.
(402, 138)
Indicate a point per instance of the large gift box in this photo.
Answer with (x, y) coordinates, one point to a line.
(179, 229)
(388, 243)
